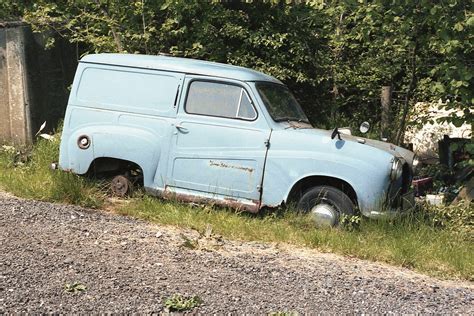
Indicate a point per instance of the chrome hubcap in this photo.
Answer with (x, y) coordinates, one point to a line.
(324, 215)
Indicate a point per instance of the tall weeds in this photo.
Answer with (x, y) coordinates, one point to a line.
(26, 172)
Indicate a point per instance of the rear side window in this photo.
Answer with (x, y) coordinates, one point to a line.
(128, 90)
(219, 99)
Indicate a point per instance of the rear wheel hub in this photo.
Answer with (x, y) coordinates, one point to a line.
(120, 186)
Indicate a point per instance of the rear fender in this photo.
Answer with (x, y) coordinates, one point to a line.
(127, 143)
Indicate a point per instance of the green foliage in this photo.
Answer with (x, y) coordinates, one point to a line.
(178, 302)
(440, 174)
(12, 10)
(459, 217)
(350, 222)
(335, 55)
(423, 49)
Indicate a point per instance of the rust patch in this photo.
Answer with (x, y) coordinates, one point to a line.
(227, 202)
(224, 165)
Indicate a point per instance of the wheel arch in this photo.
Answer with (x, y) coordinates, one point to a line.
(111, 164)
(302, 185)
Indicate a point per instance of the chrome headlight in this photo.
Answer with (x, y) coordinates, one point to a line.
(415, 163)
(397, 169)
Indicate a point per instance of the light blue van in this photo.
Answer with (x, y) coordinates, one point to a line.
(209, 132)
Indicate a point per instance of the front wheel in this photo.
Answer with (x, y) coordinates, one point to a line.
(326, 205)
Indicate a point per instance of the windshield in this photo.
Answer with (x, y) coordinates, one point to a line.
(280, 102)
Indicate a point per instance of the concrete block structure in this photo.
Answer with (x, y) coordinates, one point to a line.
(33, 81)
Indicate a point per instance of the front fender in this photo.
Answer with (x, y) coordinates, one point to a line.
(370, 182)
(298, 153)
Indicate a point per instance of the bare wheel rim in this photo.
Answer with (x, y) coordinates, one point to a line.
(120, 186)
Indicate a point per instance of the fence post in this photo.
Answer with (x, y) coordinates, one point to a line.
(386, 102)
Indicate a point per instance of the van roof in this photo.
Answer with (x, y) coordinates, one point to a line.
(183, 65)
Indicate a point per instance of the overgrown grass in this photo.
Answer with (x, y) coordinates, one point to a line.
(410, 241)
(414, 241)
(26, 173)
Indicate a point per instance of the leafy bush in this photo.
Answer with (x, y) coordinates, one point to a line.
(350, 222)
(334, 54)
(458, 217)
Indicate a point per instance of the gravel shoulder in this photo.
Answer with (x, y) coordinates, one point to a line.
(129, 265)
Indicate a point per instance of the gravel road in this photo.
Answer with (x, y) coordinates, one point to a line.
(128, 265)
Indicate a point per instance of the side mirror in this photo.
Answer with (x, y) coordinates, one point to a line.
(364, 127)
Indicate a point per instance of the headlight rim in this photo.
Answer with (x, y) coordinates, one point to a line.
(397, 169)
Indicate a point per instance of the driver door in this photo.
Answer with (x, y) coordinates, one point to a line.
(219, 143)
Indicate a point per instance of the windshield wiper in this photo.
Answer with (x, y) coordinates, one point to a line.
(289, 119)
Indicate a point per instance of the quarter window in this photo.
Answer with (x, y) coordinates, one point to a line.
(219, 99)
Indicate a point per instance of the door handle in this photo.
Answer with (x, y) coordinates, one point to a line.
(181, 128)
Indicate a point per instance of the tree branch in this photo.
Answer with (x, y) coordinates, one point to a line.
(113, 29)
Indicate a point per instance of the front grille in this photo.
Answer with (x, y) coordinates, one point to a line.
(400, 186)
(407, 177)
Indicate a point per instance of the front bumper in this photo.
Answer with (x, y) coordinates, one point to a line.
(404, 203)
(408, 201)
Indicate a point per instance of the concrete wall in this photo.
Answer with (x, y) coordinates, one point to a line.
(15, 120)
(33, 82)
(425, 137)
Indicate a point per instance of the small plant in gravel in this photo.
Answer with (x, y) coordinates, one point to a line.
(210, 241)
(281, 313)
(178, 302)
(207, 240)
(75, 287)
(189, 242)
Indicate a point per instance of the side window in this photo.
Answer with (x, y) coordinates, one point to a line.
(133, 89)
(219, 99)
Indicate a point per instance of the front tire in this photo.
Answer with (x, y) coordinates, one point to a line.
(326, 204)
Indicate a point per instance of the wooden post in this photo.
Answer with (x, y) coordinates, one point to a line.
(386, 101)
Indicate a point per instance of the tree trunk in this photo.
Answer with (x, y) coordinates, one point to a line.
(406, 106)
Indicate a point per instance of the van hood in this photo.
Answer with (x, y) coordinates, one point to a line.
(397, 151)
(390, 148)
